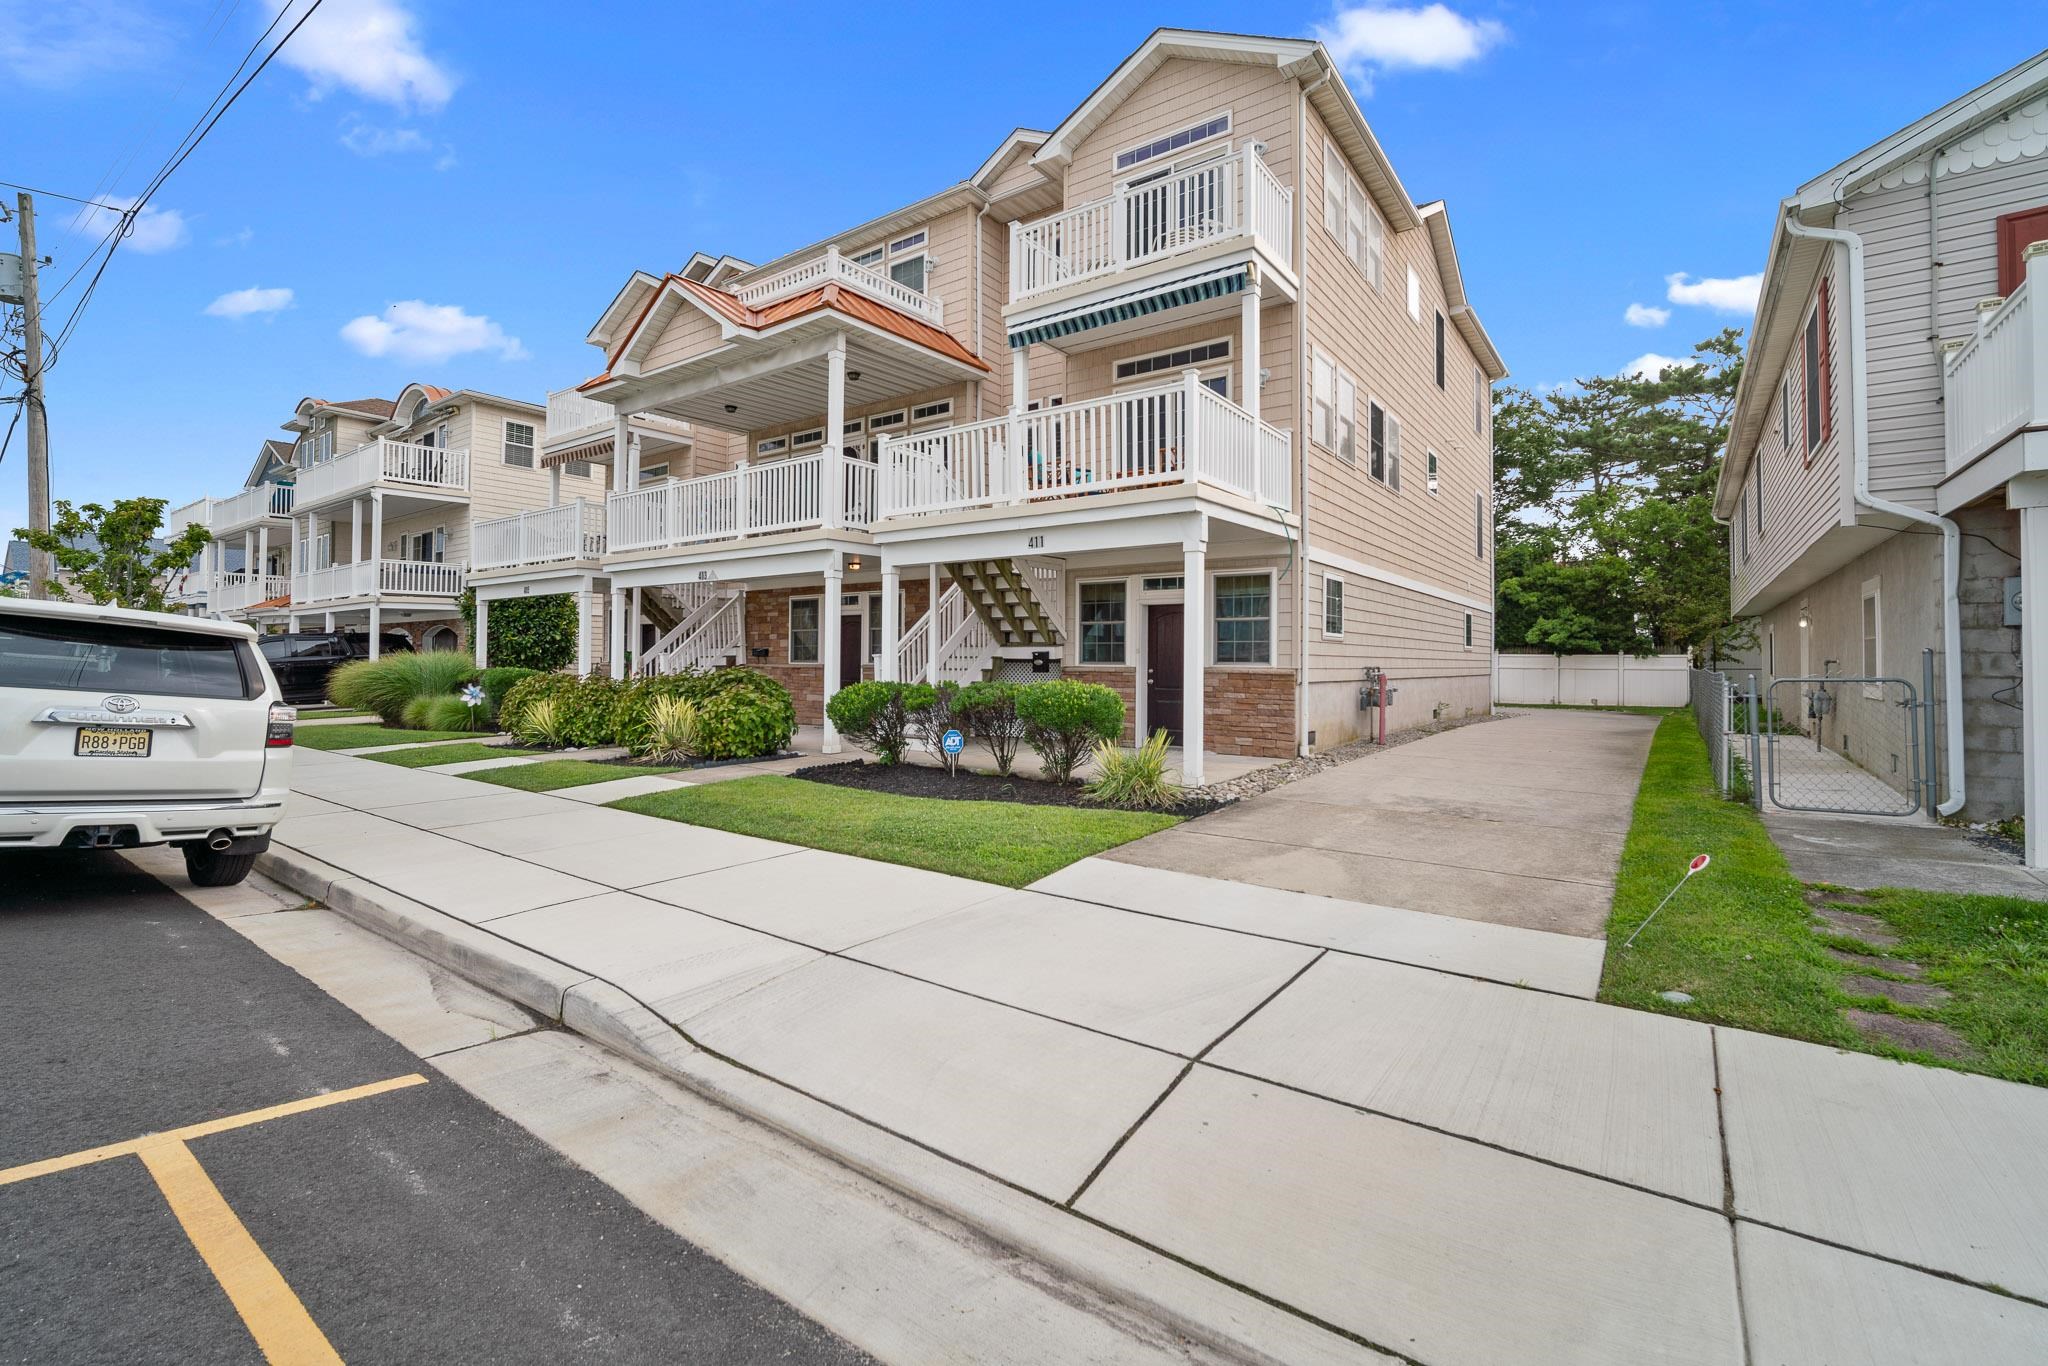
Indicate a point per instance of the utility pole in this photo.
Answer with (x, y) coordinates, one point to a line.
(32, 400)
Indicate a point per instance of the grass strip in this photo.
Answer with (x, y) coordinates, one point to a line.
(1001, 842)
(549, 774)
(461, 752)
(361, 737)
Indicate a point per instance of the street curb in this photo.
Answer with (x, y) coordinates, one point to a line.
(1188, 1302)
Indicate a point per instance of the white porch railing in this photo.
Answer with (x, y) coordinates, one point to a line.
(419, 578)
(751, 500)
(1997, 382)
(952, 634)
(1181, 434)
(1234, 196)
(253, 505)
(832, 268)
(198, 512)
(238, 590)
(571, 531)
(386, 463)
(569, 411)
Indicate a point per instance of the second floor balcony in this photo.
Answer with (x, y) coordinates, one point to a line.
(382, 463)
(237, 591)
(556, 535)
(1186, 434)
(830, 268)
(1235, 197)
(263, 503)
(824, 491)
(375, 578)
(1996, 383)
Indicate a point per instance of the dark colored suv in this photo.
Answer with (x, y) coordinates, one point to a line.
(303, 659)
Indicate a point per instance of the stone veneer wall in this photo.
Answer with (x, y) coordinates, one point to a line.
(1249, 711)
(768, 628)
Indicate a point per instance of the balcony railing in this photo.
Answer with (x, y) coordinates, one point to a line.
(1182, 434)
(239, 590)
(251, 506)
(384, 463)
(832, 268)
(1997, 382)
(751, 500)
(421, 578)
(573, 531)
(569, 411)
(1236, 196)
(198, 512)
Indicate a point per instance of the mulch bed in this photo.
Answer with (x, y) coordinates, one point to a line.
(921, 780)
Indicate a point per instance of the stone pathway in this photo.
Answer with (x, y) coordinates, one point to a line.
(1833, 920)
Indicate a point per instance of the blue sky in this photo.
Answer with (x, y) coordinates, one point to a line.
(494, 169)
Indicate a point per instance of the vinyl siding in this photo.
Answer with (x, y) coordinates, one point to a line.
(690, 333)
(1260, 100)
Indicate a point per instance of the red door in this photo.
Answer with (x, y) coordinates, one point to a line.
(1164, 695)
(853, 639)
(2016, 231)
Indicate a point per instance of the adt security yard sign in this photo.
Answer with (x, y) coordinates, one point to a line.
(952, 742)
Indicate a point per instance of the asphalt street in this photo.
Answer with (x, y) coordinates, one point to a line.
(413, 1225)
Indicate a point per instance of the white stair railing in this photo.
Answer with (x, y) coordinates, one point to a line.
(950, 634)
(720, 634)
(691, 603)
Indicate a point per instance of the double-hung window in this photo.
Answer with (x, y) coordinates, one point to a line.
(1105, 611)
(1479, 524)
(519, 444)
(1478, 401)
(1333, 607)
(1347, 417)
(803, 630)
(1383, 442)
(1323, 400)
(909, 261)
(1349, 216)
(1244, 619)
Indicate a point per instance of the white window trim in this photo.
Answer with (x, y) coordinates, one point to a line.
(1343, 605)
(1470, 634)
(789, 631)
(1373, 235)
(1320, 360)
(1272, 619)
(1389, 477)
(1482, 530)
(1131, 602)
(1873, 592)
(1116, 159)
(532, 446)
(1432, 468)
(771, 445)
(1414, 296)
(1209, 368)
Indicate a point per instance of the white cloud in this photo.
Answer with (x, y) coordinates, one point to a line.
(1723, 295)
(1643, 315)
(246, 303)
(52, 46)
(369, 47)
(1366, 39)
(1649, 365)
(155, 229)
(369, 140)
(420, 331)
(241, 237)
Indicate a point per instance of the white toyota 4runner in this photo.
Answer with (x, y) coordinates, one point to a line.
(122, 728)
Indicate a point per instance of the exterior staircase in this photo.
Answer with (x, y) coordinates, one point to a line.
(1009, 598)
(949, 644)
(708, 627)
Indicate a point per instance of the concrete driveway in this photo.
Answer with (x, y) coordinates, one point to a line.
(1518, 821)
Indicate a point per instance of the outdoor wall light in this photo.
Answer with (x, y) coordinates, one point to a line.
(853, 564)
(732, 407)
(1804, 621)
(853, 376)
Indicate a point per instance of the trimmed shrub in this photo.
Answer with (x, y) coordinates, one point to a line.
(531, 689)
(990, 712)
(590, 711)
(1064, 720)
(498, 682)
(1133, 778)
(872, 715)
(527, 633)
(741, 714)
(672, 731)
(747, 714)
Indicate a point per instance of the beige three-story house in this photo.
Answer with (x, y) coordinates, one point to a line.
(1183, 396)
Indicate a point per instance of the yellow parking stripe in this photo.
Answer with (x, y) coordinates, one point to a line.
(86, 1157)
(274, 1316)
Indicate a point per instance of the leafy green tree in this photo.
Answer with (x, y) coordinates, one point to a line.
(1605, 538)
(110, 553)
(527, 633)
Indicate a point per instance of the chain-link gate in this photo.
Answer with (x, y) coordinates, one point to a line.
(1850, 745)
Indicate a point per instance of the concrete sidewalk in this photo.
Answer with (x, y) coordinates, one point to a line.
(1348, 1111)
(1519, 821)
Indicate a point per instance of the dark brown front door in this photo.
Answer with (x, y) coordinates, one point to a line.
(853, 638)
(1163, 656)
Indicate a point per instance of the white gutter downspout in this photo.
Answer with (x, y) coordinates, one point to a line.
(1951, 536)
(1303, 447)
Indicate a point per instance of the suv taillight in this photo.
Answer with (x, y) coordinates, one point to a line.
(282, 720)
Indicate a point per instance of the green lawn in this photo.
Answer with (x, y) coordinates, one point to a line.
(549, 774)
(316, 713)
(361, 737)
(461, 752)
(1737, 937)
(1001, 842)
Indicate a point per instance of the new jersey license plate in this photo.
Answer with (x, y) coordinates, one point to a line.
(117, 742)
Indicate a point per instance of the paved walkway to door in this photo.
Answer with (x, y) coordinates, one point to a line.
(1518, 821)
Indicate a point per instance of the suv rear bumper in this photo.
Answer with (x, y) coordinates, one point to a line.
(50, 825)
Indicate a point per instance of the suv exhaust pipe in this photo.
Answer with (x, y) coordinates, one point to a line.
(219, 841)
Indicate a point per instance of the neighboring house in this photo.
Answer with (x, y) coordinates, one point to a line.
(1237, 454)
(244, 573)
(1887, 470)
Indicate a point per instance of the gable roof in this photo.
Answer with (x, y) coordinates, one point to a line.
(1437, 219)
(273, 451)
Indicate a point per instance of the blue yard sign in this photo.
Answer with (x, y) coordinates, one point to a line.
(952, 742)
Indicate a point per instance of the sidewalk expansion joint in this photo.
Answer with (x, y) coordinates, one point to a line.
(1403, 858)
(1728, 1195)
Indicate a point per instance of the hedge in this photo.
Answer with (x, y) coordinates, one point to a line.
(527, 633)
(741, 714)
(1062, 720)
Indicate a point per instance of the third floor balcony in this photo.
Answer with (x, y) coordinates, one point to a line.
(250, 507)
(392, 465)
(830, 268)
(1233, 198)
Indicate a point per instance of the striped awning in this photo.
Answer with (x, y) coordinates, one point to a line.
(589, 452)
(1208, 284)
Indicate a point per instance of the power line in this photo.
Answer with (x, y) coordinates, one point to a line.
(53, 194)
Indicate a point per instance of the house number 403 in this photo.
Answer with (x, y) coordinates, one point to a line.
(1035, 543)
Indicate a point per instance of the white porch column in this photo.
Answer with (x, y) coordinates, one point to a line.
(2029, 493)
(330, 622)
(586, 628)
(615, 637)
(291, 622)
(828, 647)
(892, 622)
(832, 493)
(251, 570)
(635, 628)
(554, 486)
(632, 461)
(621, 447)
(376, 625)
(482, 632)
(931, 607)
(1020, 377)
(1248, 395)
(262, 555)
(356, 550)
(1194, 652)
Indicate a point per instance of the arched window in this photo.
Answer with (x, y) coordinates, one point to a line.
(419, 410)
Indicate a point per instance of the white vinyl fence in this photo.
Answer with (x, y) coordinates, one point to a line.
(1590, 680)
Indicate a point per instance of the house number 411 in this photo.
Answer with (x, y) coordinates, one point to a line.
(1035, 543)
